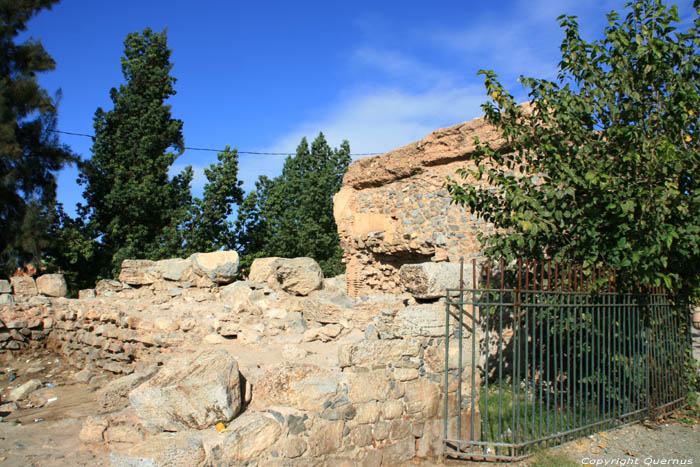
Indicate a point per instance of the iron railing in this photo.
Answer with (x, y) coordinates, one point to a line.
(555, 356)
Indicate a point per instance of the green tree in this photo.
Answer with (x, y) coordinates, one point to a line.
(292, 215)
(208, 228)
(30, 154)
(135, 208)
(603, 167)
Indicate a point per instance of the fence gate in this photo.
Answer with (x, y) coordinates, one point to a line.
(554, 357)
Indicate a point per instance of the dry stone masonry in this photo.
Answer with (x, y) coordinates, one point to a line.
(393, 210)
(283, 369)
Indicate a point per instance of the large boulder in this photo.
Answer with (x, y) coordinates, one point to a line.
(264, 271)
(299, 276)
(430, 280)
(192, 391)
(219, 266)
(53, 285)
(24, 285)
(5, 286)
(173, 269)
(296, 276)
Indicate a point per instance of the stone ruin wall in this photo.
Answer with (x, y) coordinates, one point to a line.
(354, 381)
(394, 209)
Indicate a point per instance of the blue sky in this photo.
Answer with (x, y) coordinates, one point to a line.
(260, 75)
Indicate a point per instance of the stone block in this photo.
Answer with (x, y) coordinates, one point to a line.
(86, 293)
(6, 299)
(431, 280)
(296, 276)
(23, 391)
(326, 437)
(304, 387)
(422, 398)
(138, 272)
(372, 352)
(220, 267)
(423, 321)
(173, 269)
(24, 285)
(5, 286)
(401, 451)
(53, 285)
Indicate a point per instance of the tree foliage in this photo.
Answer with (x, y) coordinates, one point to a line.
(292, 215)
(30, 154)
(135, 208)
(208, 227)
(603, 167)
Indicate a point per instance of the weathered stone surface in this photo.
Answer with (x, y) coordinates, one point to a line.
(173, 269)
(138, 272)
(264, 271)
(86, 293)
(164, 449)
(115, 394)
(24, 285)
(108, 287)
(246, 438)
(371, 352)
(6, 299)
(324, 333)
(368, 307)
(53, 285)
(329, 307)
(427, 320)
(193, 391)
(240, 296)
(5, 286)
(422, 397)
(369, 386)
(297, 276)
(431, 280)
(219, 266)
(20, 392)
(326, 437)
(295, 447)
(399, 452)
(304, 387)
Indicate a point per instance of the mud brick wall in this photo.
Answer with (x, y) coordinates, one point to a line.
(393, 209)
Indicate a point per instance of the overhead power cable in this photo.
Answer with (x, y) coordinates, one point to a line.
(221, 150)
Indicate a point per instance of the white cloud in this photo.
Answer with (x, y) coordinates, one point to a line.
(381, 120)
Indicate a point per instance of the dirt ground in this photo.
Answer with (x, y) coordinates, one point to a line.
(43, 431)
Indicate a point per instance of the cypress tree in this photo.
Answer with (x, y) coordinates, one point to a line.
(30, 154)
(135, 208)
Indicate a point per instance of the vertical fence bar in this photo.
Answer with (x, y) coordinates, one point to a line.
(474, 309)
(460, 344)
(488, 349)
(500, 357)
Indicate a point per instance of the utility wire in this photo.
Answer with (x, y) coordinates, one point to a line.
(221, 150)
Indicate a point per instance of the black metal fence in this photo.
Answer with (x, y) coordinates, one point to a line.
(555, 356)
